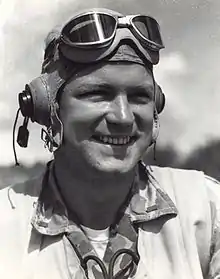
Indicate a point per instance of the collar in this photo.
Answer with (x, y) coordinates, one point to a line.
(149, 202)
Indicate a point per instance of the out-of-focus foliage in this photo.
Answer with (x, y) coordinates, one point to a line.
(205, 158)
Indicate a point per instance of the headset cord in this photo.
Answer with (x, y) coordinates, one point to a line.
(107, 274)
(110, 273)
(98, 261)
(14, 128)
(134, 256)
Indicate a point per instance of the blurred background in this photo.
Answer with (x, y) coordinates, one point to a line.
(188, 73)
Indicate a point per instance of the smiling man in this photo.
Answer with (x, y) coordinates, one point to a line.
(107, 117)
(98, 211)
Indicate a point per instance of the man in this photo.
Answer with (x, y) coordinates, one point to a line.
(98, 211)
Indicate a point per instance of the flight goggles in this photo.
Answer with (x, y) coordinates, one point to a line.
(96, 31)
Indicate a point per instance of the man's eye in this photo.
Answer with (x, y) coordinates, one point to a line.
(139, 98)
(93, 96)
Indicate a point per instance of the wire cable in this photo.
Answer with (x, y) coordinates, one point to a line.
(14, 128)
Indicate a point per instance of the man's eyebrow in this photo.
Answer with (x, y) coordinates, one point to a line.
(94, 85)
(143, 87)
(97, 84)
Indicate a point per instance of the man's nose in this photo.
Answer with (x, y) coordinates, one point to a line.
(121, 111)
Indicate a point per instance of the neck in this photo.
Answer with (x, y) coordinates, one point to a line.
(93, 196)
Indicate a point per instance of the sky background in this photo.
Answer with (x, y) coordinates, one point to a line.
(188, 71)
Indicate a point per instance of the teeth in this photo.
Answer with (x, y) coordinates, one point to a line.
(105, 139)
(120, 141)
(115, 141)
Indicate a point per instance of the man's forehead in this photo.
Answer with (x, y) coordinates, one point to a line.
(125, 54)
(112, 74)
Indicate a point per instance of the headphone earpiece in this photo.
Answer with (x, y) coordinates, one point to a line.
(35, 101)
(34, 105)
(26, 102)
(38, 103)
(159, 99)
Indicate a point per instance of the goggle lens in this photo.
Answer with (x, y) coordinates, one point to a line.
(148, 28)
(90, 28)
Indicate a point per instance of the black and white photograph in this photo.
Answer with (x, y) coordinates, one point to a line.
(110, 139)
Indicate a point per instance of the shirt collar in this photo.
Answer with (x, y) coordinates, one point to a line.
(149, 202)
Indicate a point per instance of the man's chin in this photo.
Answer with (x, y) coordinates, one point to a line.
(111, 159)
(115, 165)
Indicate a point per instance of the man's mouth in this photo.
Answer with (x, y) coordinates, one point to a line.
(115, 140)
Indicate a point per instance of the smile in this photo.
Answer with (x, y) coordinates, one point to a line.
(120, 140)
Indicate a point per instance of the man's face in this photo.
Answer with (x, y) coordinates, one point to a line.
(107, 116)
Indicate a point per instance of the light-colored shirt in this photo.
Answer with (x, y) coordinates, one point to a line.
(176, 212)
(98, 238)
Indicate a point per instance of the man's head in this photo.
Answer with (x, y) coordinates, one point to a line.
(102, 97)
(107, 114)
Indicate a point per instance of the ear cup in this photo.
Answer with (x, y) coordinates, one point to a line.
(160, 99)
(38, 100)
(26, 102)
(33, 101)
(39, 92)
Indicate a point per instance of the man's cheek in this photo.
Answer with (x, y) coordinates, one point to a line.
(87, 112)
